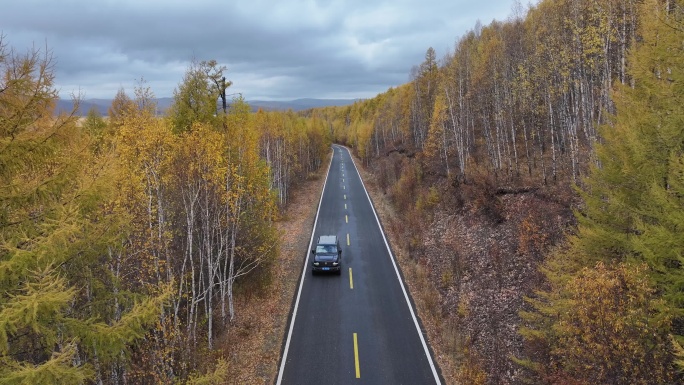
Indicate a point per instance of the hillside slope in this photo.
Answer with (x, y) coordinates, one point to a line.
(485, 157)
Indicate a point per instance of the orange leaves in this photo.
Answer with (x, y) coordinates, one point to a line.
(606, 329)
(532, 236)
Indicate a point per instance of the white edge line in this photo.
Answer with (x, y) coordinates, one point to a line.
(301, 282)
(401, 283)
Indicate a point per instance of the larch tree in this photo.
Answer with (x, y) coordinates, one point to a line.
(628, 242)
(52, 329)
(121, 105)
(437, 143)
(425, 83)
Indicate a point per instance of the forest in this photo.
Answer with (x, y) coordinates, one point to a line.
(536, 177)
(124, 240)
(536, 172)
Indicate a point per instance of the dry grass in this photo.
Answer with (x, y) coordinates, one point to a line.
(252, 344)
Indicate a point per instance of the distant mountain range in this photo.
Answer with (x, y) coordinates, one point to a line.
(102, 105)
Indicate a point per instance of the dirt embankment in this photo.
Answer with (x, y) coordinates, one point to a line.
(469, 262)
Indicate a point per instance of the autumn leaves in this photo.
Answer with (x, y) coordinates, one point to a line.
(123, 240)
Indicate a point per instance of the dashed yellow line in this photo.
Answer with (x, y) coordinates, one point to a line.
(345, 206)
(351, 281)
(356, 357)
(345, 196)
(347, 239)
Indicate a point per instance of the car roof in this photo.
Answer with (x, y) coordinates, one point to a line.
(327, 240)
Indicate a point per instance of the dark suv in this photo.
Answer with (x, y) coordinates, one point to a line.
(327, 256)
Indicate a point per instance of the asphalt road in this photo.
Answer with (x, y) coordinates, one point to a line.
(358, 327)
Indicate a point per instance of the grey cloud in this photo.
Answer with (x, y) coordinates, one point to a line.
(273, 49)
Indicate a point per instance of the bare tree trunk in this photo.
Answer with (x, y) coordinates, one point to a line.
(553, 140)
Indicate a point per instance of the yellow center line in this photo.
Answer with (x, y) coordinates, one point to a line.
(351, 281)
(345, 206)
(347, 239)
(343, 188)
(345, 196)
(346, 218)
(356, 357)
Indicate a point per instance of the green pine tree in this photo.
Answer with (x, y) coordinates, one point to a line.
(56, 322)
(634, 203)
(633, 217)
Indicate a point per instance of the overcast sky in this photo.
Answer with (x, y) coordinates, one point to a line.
(274, 50)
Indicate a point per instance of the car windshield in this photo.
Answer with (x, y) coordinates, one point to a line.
(325, 249)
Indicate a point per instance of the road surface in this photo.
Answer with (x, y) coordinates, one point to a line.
(358, 327)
